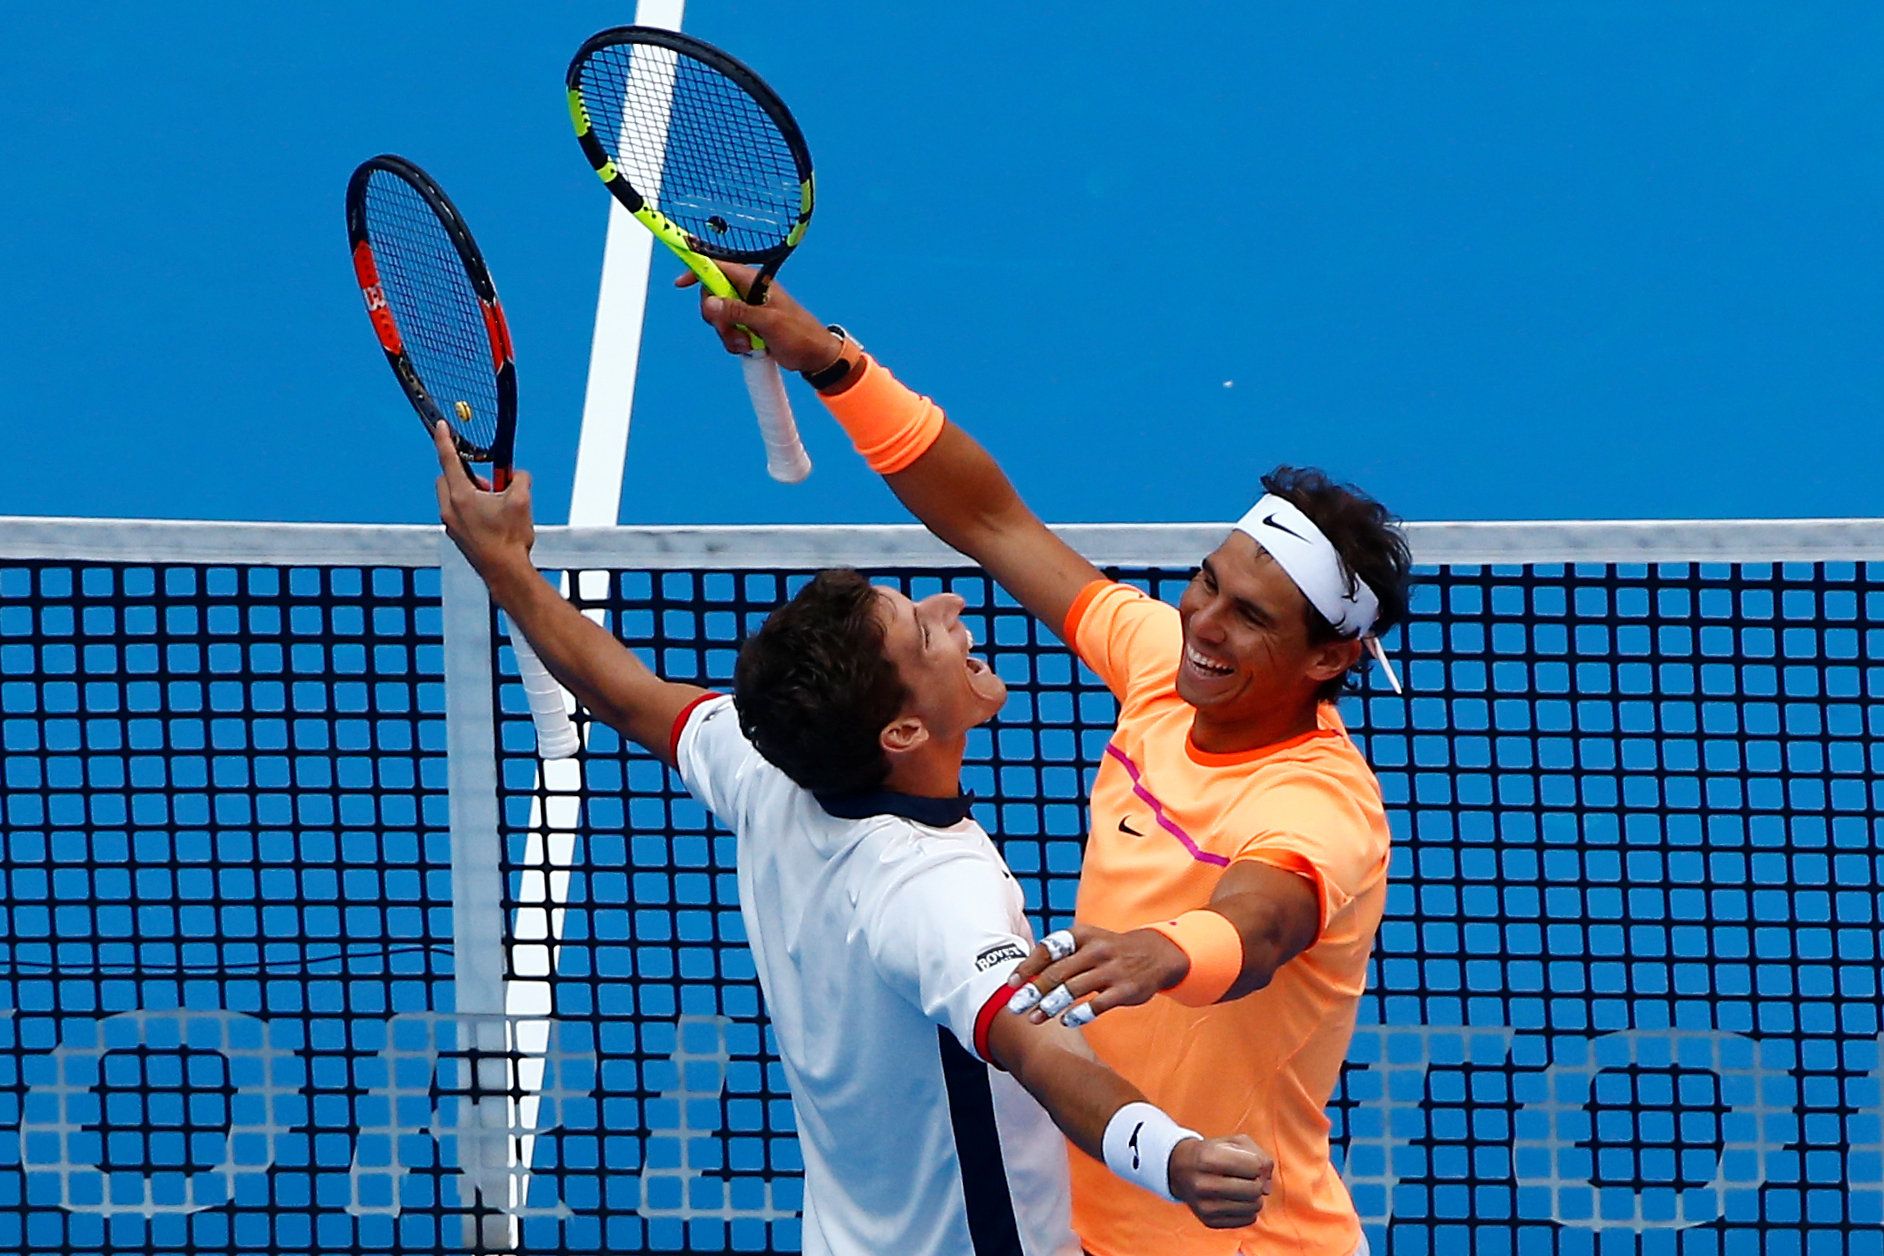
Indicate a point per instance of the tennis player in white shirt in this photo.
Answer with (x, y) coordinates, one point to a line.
(883, 922)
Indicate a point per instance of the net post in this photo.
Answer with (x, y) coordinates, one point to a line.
(483, 1141)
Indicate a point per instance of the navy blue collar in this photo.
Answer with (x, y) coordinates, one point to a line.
(937, 813)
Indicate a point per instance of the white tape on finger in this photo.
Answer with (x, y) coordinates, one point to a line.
(1057, 1001)
(1060, 944)
(1079, 1017)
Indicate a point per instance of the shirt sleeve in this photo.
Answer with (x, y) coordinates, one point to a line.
(1130, 639)
(945, 929)
(713, 755)
(1322, 831)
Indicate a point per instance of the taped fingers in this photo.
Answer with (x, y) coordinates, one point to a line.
(1060, 944)
(1057, 947)
(1056, 1001)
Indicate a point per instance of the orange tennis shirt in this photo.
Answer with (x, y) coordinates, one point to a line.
(1167, 819)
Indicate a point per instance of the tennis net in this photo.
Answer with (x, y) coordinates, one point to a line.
(302, 950)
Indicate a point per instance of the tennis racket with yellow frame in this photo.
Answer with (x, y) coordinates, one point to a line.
(708, 158)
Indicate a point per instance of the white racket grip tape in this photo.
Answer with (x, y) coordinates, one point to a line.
(556, 736)
(785, 456)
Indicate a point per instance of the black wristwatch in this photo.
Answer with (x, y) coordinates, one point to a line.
(849, 358)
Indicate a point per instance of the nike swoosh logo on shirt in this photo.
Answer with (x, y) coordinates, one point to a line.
(1127, 828)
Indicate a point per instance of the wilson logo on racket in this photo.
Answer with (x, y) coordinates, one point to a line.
(455, 349)
(367, 272)
(499, 332)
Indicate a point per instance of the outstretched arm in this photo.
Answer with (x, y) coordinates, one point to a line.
(954, 487)
(1268, 916)
(1223, 1181)
(495, 533)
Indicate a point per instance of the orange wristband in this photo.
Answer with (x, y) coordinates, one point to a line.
(1215, 949)
(890, 424)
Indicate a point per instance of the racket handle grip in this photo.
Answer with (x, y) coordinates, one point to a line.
(556, 736)
(785, 456)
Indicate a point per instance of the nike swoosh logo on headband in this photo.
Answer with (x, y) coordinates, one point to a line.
(1269, 521)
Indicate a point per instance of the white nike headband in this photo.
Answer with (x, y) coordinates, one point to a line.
(1310, 559)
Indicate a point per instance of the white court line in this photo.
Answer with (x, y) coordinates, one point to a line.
(594, 501)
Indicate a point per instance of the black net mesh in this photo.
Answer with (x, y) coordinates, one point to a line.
(434, 305)
(696, 146)
(1626, 997)
(225, 882)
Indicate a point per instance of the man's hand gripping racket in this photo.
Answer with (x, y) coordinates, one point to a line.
(793, 336)
(707, 157)
(435, 312)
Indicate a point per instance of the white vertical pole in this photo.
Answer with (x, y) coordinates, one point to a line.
(594, 501)
(477, 904)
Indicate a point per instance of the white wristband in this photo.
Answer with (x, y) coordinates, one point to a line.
(1138, 1143)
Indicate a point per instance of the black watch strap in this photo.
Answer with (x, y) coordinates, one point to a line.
(849, 357)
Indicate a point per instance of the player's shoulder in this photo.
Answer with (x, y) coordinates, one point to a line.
(707, 740)
(929, 848)
(1322, 777)
(725, 771)
(1323, 761)
(711, 716)
(1109, 607)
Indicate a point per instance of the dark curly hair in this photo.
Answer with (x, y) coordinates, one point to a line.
(814, 687)
(1371, 545)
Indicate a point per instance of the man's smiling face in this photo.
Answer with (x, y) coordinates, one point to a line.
(1246, 646)
(950, 689)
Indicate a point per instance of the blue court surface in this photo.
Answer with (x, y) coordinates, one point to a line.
(1487, 260)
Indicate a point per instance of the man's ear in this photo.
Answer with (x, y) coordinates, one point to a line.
(902, 735)
(1333, 659)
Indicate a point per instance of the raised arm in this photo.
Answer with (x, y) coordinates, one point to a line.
(495, 533)
(1223, 1181)
(953, 486)
(1258, 919)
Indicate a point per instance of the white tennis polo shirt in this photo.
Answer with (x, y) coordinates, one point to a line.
(884, 928)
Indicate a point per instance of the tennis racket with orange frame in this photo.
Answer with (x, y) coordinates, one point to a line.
(438, 319)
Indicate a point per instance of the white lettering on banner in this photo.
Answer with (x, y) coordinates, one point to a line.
(1523, 1106)
(1390, 1097)
(687, 1116)
(64, 1121)
(400, 1105)
(68, 1113)
(1755, 1117)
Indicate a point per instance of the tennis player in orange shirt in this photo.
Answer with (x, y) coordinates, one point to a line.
(1235, 870)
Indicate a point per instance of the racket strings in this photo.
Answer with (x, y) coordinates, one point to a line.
(696, 146)
(434, 305)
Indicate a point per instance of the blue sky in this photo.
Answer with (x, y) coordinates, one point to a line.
(1488, 260)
